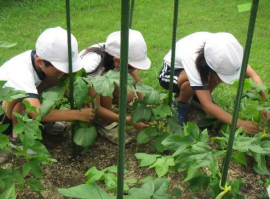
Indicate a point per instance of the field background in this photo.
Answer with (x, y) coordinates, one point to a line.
(22, 21)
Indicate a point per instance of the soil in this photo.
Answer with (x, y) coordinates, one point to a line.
(68, 171)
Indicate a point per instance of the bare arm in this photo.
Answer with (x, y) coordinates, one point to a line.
(220, 114)
(85, 114)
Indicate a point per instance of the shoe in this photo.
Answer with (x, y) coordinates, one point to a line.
(54, 128)
(196, 102)
(111, 133)
(182, 113)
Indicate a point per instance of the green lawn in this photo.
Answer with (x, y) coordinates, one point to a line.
(21, 21)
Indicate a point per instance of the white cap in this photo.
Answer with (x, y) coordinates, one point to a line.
(224, 54)
(52, 46)
(137, 55)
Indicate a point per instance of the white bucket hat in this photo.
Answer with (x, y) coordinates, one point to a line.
(52, 46)
(137, 55)
(224, 54)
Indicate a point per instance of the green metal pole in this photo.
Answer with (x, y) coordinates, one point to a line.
(123, 96)
(71, 100)
(131, 13)
(252, 21)
(176, 2)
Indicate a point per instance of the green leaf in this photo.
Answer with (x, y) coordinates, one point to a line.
(110, 181)
(50, 99)
(192, 173)
(35, 185)
(140, 88)
(151, 98)
(199, 155)
(131, 181)
(9, 193)
(80, 92)
(86, 191)
(93, 175)
(8, 94)
(147, 179)
(142, 113)
(193, 130)
(146, 159)
(199, 183)
(244, 7)
(174, 142)
(158, 142)
(239, 157)
(85, 137)
(260, 164)
(162, 165)
(146, 134)
(30, 166)
(177, 192)
(162, 111)
(157, 189)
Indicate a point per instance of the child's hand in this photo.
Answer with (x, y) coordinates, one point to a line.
(250, 127)
(265, 115)
(140, 125)
(87, 114)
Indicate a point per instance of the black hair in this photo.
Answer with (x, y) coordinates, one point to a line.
(46, 63)
(106, 59)
(203, 68)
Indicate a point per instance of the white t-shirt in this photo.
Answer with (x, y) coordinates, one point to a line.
(185, 56)
(91, 60)
(20, 74)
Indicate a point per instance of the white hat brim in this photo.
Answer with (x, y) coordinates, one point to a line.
(141, 65)
(63, 66)
(229, 79)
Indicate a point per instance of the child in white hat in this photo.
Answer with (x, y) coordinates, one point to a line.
(202, 61)
(99, 59)
(36, 70)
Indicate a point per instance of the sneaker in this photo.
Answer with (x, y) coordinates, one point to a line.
(182, 113)
(111, 133)
(54, 128)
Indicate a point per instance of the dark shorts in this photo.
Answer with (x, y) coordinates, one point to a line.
(164, 77)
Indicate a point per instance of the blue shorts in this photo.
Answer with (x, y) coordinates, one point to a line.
(164, 77)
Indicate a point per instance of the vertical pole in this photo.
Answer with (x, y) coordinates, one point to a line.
(131, 13)
(123, 96)
(173, 50)
(252, 21)
(71, 100)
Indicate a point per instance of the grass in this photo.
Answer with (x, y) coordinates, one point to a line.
(22, 21)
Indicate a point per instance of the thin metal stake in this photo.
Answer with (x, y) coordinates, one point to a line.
(71, 100)
(173, 50)
(252, 21)
(123, 97)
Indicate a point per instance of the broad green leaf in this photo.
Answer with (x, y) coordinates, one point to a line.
(157, 189)
(177, 192)
(158, 142)
(30, 166)
(86, 191)
(146, 134)
(174, 142)
(162, 111)
(244, 7)
(110, 181)
(9, 193)
(203, 136)
(199, 155)
(85, 137)
(131, 181)
(260, 164)
(239, 157)
(17, 176)
(6, 44)
(142, 113)
(35, 185)
(3, 127)
(93, 175)
(4, 142)
(146, 159)
(173, 126)
(80, 92)
(8, 94)
(140, 88)
(147, 179)
(112, 169)
(199, 183)
(151, 98)
(162, 165)
(103, 86)
(192, 173)
(50, 98)
(193, 130)
(40, 149)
